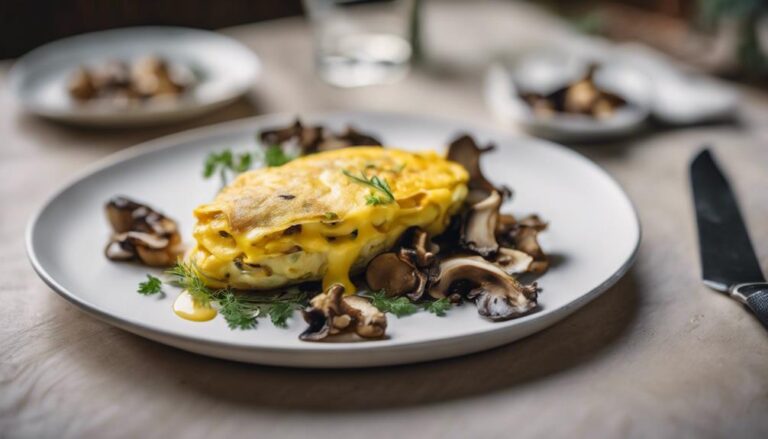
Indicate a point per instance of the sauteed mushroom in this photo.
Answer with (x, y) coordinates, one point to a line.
(421, 250)
(121, 83)
(141, 233)
(322, 311)
(523, 235)
(513, 261)
(582, 96)
(350, 137)
(466, 152)
(406, 271)
(478, 233)
(395, 275)
(330, 313)
(311, 139)
(497, 295)
(306, 137)
(369, 322)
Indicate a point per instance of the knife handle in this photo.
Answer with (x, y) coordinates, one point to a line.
(755, 296)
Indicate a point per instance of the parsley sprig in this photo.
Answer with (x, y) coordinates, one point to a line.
(152, 285)
(381, 193)
(402, 306)
(225, 163)
(438, 307)
(275, 156)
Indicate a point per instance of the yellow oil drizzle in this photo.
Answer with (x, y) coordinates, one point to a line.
(189, 309)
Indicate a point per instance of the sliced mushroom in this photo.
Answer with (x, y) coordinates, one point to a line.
(141, 233)
(350, 137)
(465, 151)
(330, 313)
(396, 275)
(528, 242)
(369, 322)
(497, 295)
(582, 96)
(406, 271)
(322, 311)
(120, 213)
(513, 261)
(419, 248)
(150, 249)
(307, 137)
(478, 233)
(506, 302)
(522, 235)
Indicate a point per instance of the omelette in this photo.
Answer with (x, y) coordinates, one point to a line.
(322, 217)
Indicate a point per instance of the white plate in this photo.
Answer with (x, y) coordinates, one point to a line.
(225, 70)
(594, 234)
(543, 72)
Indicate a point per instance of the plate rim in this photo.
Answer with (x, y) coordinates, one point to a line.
(171, 140)
(15, 81)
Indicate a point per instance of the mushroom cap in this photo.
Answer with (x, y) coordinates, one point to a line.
(393, 274)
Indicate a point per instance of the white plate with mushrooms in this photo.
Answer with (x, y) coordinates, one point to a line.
(133, 76)
(569, 98)
(592, 239)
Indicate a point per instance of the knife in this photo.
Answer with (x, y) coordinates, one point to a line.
(728, 260)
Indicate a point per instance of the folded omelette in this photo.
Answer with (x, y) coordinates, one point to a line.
(320, 218)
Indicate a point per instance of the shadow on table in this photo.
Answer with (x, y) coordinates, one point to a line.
(103, 137)
(573, 342)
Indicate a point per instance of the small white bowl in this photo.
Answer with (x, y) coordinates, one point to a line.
(224, 70)
(545, 72)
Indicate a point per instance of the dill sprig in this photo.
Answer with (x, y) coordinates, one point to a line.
(184, 276)
(376, 184)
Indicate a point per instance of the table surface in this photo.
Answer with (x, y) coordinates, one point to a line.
(658, 355)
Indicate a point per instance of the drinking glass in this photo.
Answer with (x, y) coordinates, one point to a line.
(361, 42)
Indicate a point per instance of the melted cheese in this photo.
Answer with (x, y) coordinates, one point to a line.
(307, 220)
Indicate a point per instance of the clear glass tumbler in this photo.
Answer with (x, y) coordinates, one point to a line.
(361, 42)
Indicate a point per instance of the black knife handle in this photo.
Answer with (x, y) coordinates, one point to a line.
(755, 296)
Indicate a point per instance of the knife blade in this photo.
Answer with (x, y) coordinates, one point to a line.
(728, 260)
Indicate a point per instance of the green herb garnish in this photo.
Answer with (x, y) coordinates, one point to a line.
(241, 311)
(236, 312)
(438, 307)
(399, 306)
(279, 313)
(152, 285)
(275, 156)
(226, 162)
(376, 184)
(184, 276)
(330, 216)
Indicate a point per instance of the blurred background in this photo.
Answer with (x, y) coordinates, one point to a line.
(724, 37)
